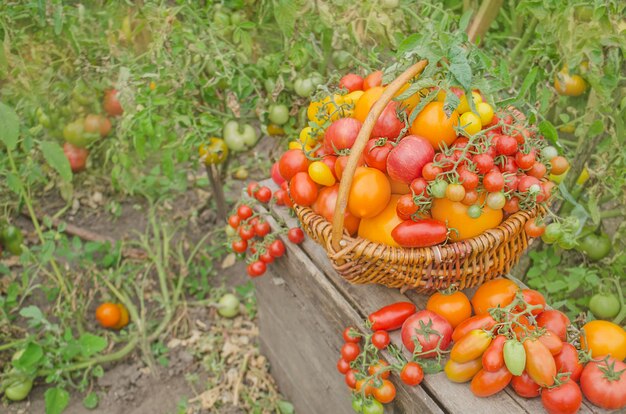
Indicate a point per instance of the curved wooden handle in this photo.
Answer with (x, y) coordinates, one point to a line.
(359, 146)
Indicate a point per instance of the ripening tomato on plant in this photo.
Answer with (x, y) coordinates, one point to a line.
(108, 315)
(111, 104)
(76, 156)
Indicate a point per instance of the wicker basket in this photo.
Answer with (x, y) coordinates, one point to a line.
(464, 263)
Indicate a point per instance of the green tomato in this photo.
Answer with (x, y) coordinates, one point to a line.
(279, 114)
(549, 152)
(604, 305)
(357, 404)
(316, 78)
(19, 389)
(228, 306)
(341, 59)
(239, 137)
(241, 173)
(237, 17)
(514, 356)
(221, 20)
(12, 239)
(373, 407)
(438, 188)
(230, 232)
(474, 211)
(595, 247)
(75, 134)
(567, 244)
(552, 233)
(270, 85)
(43, 118)
(303, 87)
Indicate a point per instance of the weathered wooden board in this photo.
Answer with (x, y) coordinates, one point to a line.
(303, 307)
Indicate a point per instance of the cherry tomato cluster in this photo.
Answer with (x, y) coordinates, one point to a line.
(512, 339)
(254, 235)
(446, 176)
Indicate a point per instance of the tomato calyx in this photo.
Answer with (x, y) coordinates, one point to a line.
(607, 367)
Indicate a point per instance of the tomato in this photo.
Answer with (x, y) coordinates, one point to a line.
(376, 153)
(533, 229)
(497, 292)
(292, 162)
(496, 201)
(239, 246)
(455, 192)
(213, 152)
(484, 321)
(76, 156)
(554, 320)
(493, 181)
(430, 171)
(559, 165)
(604, 338)
(340, 165)
(108, 315)
(454, 307)
(595, 246)
(506, 145)
(569, 85)
(549, 152)
(552, 342)
(464, 102)
(246, 233)
(391, 317)
(411, 102)
(567, 361)
(484, 163)
(278, 114)
(514, 356)
(526, 182)
(274, 130)
(276, 248)
(604, 305)
(303, 87)
(380, 339)
(438, 188)
(525, 161)
(295, 235)
(412, 373)
(524, 386)
(457, 372)
(512, 205)
(540, 363)
(470, 123)
(372, 80)
(351, 82)
(369, 194)
(74, 134)
(433, 124)
(234, 221)
(256, 269)
(406, 207)
(386, 393)
(378, 229)
(493, 357)
(389, 124)
(124, 317)
(604, 383)
(373, 407)
(111, 104)
(367, 388)
(348, 335)
(341, 134)
(418, 186)
(538, 170)
(471, 346)
(429, 329)
(350, 378)
(325, 207)
(562, 399)
(485, 111)
(262, 228)
(266, 258)
(487, 383)
(532, 297)
(343, 366)
(350, 351)
(17, 389)
(420, 233)
(456, 216)
(468, 179)
(366, 101)
(321, 173)
(97, 124)
(375, 369)
(239, 137)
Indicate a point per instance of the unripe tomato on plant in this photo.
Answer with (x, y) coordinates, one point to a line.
(17, 389)
(595, 246)
(228, 306)
(239, 137)
(454, 307)
(604, 305)
(97, 124)
(111, 104)
(215, 151)
(74, 133)
(278, 114)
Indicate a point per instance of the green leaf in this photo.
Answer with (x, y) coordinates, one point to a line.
(9, 126)
(91, 344)
(465, 20)
(596, 128)
(285, 12)
(528, 82)
(285, 407)
(55, 157)
(549, 131)
(91, 400)
(57, 400)
(32, 354)
(32, 312)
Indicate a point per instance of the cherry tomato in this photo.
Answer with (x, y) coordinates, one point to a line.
(540, 363)
(569, 85)
(497, 292)
(343, 366)
(262, 228)
(303, 189)
(512, 205)
(493, 358)
(108, 315)
(468, 179)
(454, 307)
(292, 162)
(234, 220)
(406, 207)
(455, 192)
(470, 123)
(295, 235)
(350, 378)
(554, 320)
(487, 383)
(533, 229)
(347, 337)
(412, 373)
(244, 212)
(483, 321)
(493, 181)
(239, 246)
(524, 386)
(391, 317)
(276, 248)
(496, 201)
(525, 160)
(484, 163)
(457, 372)
(430, 171)
(506, 145)
(538, 170)
(252, 188)
(350, 351)
(373, 79)
(562, 399)
(124, 317)
(256, 269)
(375, 369)
(559, 165)
(471, 346)
(604, 382)
(246, 233)
(567, 361)
(351, 82)
(266, 258)
(532, 297)
(604, 338)
(386, 393)
(264, 195)
(380, 339)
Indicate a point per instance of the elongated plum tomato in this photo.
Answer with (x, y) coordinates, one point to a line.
(496, 292)
(540, 364)
(458, 372)
(365, 102)
(76, 156)
(406, 161)
(471, 346)
(455, 213)
(429, 329)
(484, 321)
(351, 82)
(391, 317)
(378, 228)
(388, 125)
(487, 383)
(433, 124)
(493, 358)
(369, 194)
(454, 307)
(420, 233)
(325, 207)
(341, 134)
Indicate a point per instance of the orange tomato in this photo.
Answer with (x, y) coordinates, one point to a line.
(365, 102)
(471, 346)
(124, 317)
(325, 207)
(455, 307)
(540, 364)
(457, 372)
(455, 214)
(604, 338)
(378, 229)
(434, 125)
(386, 392)
(496, 292)
(109, 315)
(398, 187)
(369, 194)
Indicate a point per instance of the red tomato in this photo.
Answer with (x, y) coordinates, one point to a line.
(389, 124)
(532, 297)
(493, 358)
(526, 181)
(256, 269)
(330, 160)
(375, 369)
(524, 386)
(376, 153)
(373, 79)
(412, 373)
(351, 82)
(484, 321)
(468, 178)
(253, 187)
(552, 342)
(484, 163)
(292, 162)
(350, 351)
(506, 145)
(454, 307)
(340, 165)
(418, 186)
(554, 320)
(430, 171)
(275, 173)
(262, 228)
(303, 189)
(246, 233)
(487, 383)
(111, 104)
(533, 229)
(511, 182)
(391, 317)
(347, 337)
(420, 233)
(540, 364)
(429, 329)
(263, 194)
(234, 221)
(380, 339)
(563, 399)
(350, 378)
(406, 207)
(341, 134)
(525, 161)
(279, 197)
(496, 292)
(538, 170)
(76, 156)
(295, 235)
(604, 383)
(343, 366)
(512, 205)
(406, 161)
(369, 194)
(276, 248)
(567, 361)
(325, 207)
(493, 181)
(266, 258)
(239, 246)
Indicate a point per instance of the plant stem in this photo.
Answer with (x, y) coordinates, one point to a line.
(612, 213)
(523, 41)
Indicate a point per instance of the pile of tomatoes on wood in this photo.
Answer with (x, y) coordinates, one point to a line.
(252, 235)
(429, 172)
(512, 339)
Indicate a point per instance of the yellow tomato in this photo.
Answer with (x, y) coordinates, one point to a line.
(365, 102)
(321, 173)
(464, 104)
(604, 338)
(335, 107)
(582, 178)
(298, 145)
(455, 214)
(433, 124)
(485, 111)
(308, 136)
(457, 372)
(315, 112)
(470, 123)
(378, 229)
(275, 130)
(569, 85)
(353, 97)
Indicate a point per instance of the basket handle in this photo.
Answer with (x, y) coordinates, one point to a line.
(359, 146)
